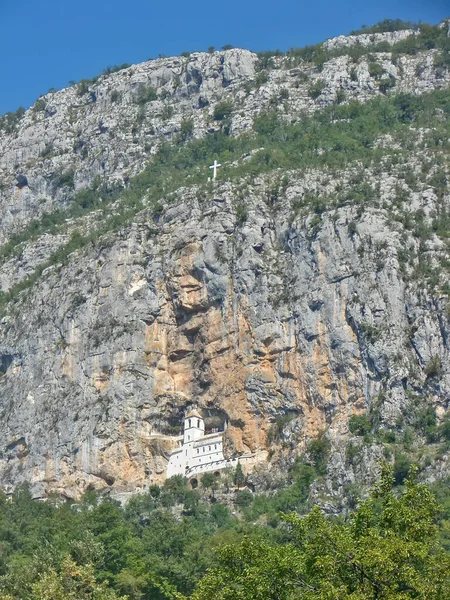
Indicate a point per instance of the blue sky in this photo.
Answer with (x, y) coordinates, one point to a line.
(47, 43)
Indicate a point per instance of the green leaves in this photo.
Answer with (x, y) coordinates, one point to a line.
(253, 570)
(387, 550)
(239, 477)
(72, 582)
(223, 111)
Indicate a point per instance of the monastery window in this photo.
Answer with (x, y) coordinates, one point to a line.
(198, 423)
(215, 446)
(209, 448)
(198, 450)
(189, 437)
(189, 422)
(203, 448)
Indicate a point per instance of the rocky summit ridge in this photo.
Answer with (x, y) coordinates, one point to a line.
(288, 295)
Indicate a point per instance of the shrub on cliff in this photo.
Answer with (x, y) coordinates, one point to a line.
(145, 93)
(319, 452)
(359, 424)
(316, 89)
(222, 111)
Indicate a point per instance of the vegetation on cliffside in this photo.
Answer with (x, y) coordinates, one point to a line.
(335, 138)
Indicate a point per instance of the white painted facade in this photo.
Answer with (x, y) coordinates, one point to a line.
(198, 452)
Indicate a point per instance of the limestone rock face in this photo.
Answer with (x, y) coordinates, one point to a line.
(249, 323)
(278, 315)
(367, 39)
(105, 131)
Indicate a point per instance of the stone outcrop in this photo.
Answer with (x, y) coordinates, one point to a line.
(367, 39)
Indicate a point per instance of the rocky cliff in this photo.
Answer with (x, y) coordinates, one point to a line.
(239, 296)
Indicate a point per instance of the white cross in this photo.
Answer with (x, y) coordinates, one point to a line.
(215, 166)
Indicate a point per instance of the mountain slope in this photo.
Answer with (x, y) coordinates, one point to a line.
(309, 283)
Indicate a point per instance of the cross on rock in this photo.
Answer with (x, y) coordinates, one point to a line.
(215, 167)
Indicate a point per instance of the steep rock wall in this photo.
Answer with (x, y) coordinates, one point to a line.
(279, 315)
(248, 321)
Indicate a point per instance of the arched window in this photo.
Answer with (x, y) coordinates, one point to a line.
(189, 422)
(209, 448)
(198, 423)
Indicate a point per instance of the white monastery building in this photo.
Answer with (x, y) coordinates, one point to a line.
(198, 452)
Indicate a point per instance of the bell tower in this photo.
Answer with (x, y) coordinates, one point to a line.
(194, 426)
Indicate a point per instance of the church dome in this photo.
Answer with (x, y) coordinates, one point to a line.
(193, 413)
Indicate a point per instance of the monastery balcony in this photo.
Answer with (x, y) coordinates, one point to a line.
(202, 443)
(211, 466)
(210, 436)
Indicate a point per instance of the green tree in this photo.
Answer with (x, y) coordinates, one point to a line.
(319, 452)
(186, 129)
(389, 550)
(222, 111)
(239, 477)
(253, 570)
(107, 523)
(359, 424)
(210, 481)
(72, 583)
(227, 477)
(243, 498)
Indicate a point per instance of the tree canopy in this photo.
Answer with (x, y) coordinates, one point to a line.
(387, 550)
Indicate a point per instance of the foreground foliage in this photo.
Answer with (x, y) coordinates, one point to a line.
(72, 582)
(387, 550)
(173, 544)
